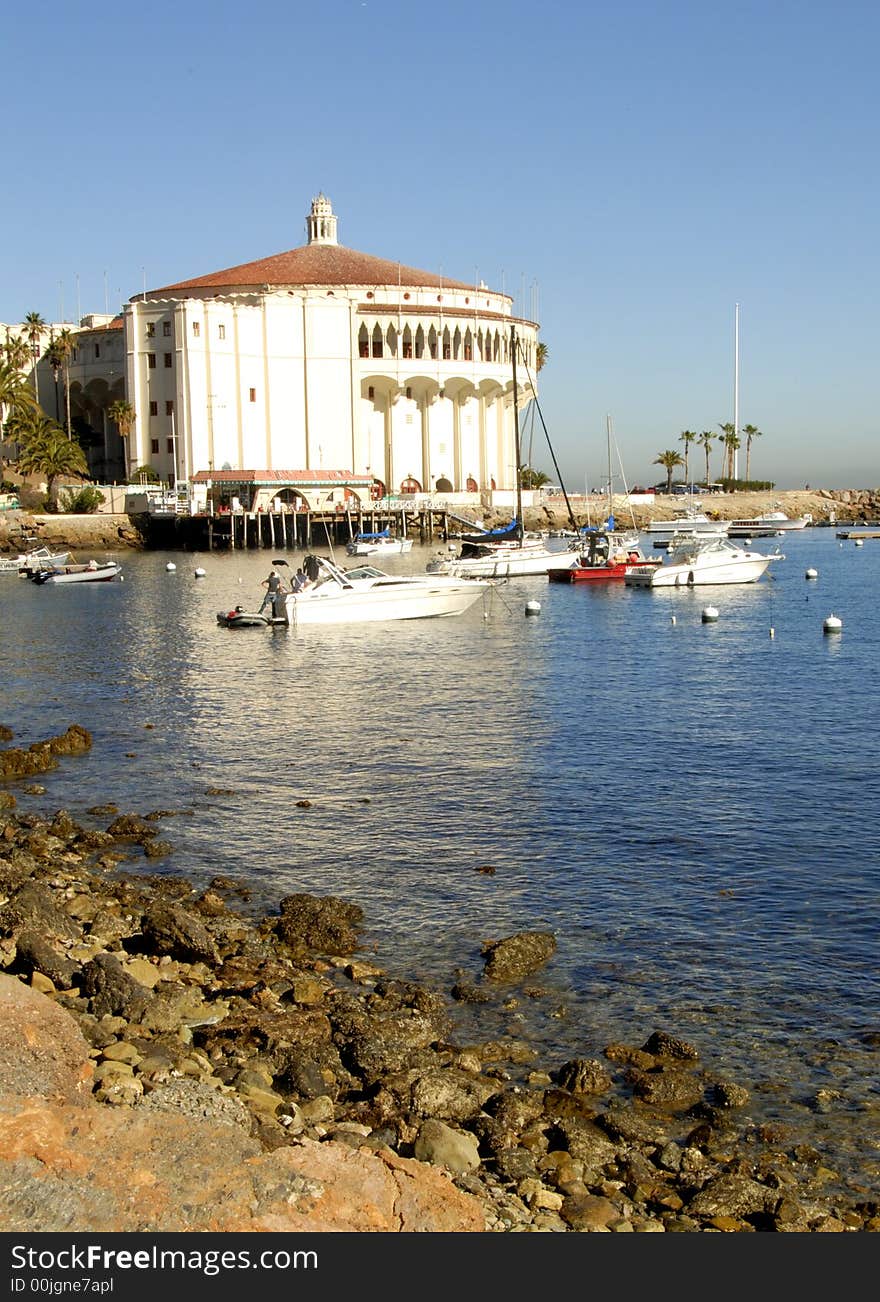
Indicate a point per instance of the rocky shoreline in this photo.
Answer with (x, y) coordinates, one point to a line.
(169, 1062)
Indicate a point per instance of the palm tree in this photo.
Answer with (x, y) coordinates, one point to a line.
(751, 432)
(542, 356)
(46, 450)
(705, 440)
(687, 437)
(123, 414)
(17, 351)
(669, 460)
(35, 325)
(65, 344)
(730, 439)
(56, 361)
(15, 394)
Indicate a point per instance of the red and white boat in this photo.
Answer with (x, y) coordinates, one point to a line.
(606, 558)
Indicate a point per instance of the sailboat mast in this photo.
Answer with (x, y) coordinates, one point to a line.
(517, 468)
(736, 393)
(610, 492)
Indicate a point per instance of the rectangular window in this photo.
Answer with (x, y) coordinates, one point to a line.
(252, 394)
(166, 328)
(154, 409)
(197, 329)
(170, 445)
(151, 361)
(154, 445)
(167, 360)
(151, 329)
(97, 350)
(169, 408)
(221, 332)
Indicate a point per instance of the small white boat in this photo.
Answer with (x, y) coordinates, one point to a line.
(92, 572)
(27, 563)
(689, 523)
(373, 544)
(767, 524)
(695, 562)
(363, 594)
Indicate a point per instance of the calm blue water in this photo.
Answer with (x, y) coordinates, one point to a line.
(690, 807)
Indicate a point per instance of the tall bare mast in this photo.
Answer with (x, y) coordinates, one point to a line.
(517, 468)
(736, 393)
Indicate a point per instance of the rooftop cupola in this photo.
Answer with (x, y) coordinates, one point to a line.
(322, 222)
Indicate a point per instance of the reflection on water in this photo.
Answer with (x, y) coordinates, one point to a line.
(688, 806)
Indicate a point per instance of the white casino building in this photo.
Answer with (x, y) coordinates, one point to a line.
(326, 359)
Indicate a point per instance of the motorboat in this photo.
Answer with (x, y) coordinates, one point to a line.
(689, 522)
(693, 562)
(607, 553)
(767, 524)
(27, 563)
(363, 594)
(91, 572)
(606, 557)
(381, 543)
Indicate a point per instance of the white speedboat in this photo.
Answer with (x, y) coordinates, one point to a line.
(378, 544)
(688, 523)
(363, 594)
(92, 572)
(767, 524)
(694, 562)
(27, 563)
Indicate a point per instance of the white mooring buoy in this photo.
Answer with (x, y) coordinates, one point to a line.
(170, 566)
(860, 542)
(533, 607)
(832, 624)
(772, 632)
(710, 614)
(811, 574)
(199, 573)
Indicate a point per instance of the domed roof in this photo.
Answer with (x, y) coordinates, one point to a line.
(313, 264)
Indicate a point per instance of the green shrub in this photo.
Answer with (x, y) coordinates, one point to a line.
(81, 501)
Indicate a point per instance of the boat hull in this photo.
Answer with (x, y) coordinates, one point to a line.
(77, 574)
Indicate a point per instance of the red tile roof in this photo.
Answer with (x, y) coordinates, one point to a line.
(316, 264)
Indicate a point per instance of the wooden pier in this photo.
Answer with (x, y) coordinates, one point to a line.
(289, 530)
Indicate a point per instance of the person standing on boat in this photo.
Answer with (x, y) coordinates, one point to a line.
(273, 586)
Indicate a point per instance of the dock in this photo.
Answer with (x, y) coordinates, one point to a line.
(291, 530)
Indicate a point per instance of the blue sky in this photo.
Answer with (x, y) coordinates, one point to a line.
(628, 171)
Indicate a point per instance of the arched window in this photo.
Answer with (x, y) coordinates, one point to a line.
(363, 342)
(432, 342)
(468, 346)
(392, 341)
(410, 485)
(472, 485)
(447, 345)
(420, 342)
(377, 342)
(377, 490)
(456, 344)
(407, 342)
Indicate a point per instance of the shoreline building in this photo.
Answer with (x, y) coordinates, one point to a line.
(327, 360)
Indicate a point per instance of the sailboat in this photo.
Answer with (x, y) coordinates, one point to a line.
(607, 554)
(509, 551)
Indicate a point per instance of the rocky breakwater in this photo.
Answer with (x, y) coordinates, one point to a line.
(170, 1063)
